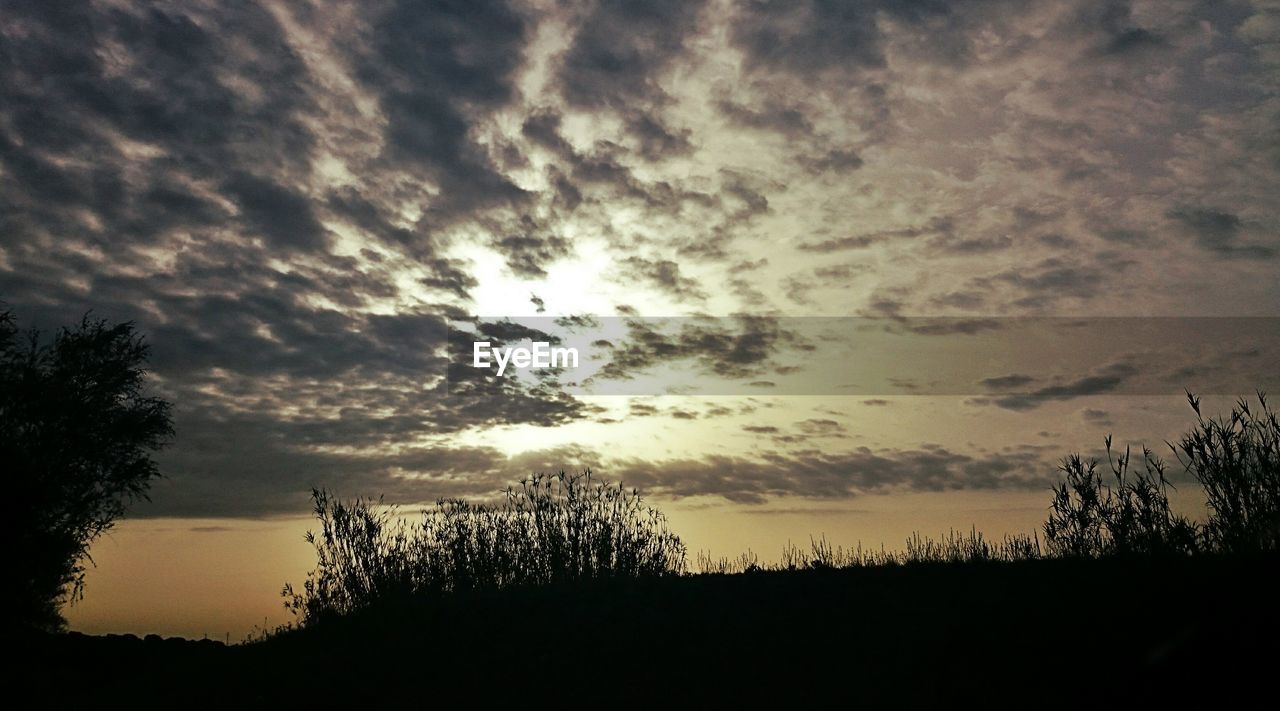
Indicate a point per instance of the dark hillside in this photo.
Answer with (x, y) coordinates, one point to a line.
(1036, 632)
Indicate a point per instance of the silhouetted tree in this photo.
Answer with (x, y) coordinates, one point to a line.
(76, 433)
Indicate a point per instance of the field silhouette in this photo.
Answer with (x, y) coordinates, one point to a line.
(1041, 632)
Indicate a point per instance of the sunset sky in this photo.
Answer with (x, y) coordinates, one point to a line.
(295, 201)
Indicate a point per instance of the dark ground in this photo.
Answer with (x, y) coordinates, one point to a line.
(1049, 633)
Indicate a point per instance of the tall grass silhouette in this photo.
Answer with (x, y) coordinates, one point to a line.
(821, 554)
(1236, 459)
(1091, 518)
(549, 529)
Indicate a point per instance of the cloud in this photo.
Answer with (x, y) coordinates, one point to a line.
(822, 427)
(185, 99)
(941, 225)
(837, 160)
(295, 201)
(743, 347)
(1006, 382)
(1123, 236)
(1107, 380)
(974, 245)
(1219, 232)
(788, 121)
(435, 71)
(621, 49)
(1050, 280)
(805, 38)
(1096, 417)
(259, 478)
(277, 213)
(528, 255)
(948, 326)
(665, 274)
(833, 475)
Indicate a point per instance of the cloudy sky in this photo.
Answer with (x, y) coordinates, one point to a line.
(295, 201)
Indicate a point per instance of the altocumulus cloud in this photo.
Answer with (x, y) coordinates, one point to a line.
(294, 201)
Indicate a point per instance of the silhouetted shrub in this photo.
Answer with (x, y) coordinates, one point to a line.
(1237, 462)
(1089, 518)
(364, 553)
(76, 434)
(549, 529)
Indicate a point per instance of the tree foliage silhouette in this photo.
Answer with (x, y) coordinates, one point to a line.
(76, 437)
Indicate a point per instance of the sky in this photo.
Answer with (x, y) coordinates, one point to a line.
(300, 203)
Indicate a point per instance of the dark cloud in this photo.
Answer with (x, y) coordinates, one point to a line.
(436, 69)
(743, 347)
(821, 428)
(1096, 417)
(1219, 231)
(263, 476)
(1056, 241)
(839, 272)
(940, 225)
(805, 38)
(786, 120)
(1051, 280)
(1007, 382)
(278, 213)
(655, 141)
(1133, 40)
(747, 192)
(207, 92)
(528, 255)
(1113, 29)
(972, 245)
(665, 274)
(1105, 381)
(835, 276)
(601, 176)
(818, 474)
(542, 127)
(836, 160)
(718, 411)
(748, 265)
(621, 50)
(640, 409)
(959, 300)
(926, 326)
